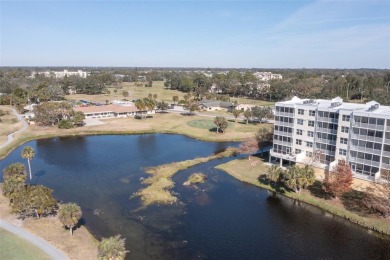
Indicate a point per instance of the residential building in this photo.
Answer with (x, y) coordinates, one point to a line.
(61, 74)
(266, 76)
(108, 111)
(322, 132)
(212, 105)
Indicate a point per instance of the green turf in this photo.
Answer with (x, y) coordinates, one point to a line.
(205, 124)
(13, 247)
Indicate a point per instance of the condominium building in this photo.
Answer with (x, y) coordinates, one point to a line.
(322, 132)
(61, 74)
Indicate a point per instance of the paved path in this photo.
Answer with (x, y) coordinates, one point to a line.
(38, 242)
(10, 137)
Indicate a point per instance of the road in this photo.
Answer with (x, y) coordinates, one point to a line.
(50, 250)
(10, 137)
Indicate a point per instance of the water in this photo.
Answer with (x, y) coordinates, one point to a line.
(220, 219)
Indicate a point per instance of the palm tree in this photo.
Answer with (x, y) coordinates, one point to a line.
(112, 248)
(28, 153)
(69, 215)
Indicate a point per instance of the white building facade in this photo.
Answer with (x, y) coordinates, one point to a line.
(266, 76)
(61, 74)
(322, 132)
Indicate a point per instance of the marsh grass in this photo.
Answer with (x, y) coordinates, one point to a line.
(159, 184)
(195, 178)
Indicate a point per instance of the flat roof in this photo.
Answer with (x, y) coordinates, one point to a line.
(107, 108)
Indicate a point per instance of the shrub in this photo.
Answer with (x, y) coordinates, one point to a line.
(65, 124)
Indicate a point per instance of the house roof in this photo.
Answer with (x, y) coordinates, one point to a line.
(107, 108)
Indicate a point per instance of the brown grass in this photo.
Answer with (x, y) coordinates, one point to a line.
(82, 245)
(195, 178)
(8, 123)
(159, 184)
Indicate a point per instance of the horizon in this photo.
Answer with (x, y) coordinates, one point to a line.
(189, 34)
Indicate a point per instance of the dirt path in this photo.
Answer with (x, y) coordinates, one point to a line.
(38, 242)
(10, 137)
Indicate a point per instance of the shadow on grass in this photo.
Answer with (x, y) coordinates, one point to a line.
(317, 191)
(353, 201)
(277, 187)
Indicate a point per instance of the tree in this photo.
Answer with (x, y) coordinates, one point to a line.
(14, 177)
(247, 115)
(175, 99)
(112, 248)
(274, 174)
(155, 97)
(378, 195)
(297, 178)
(28, 153)
(263, 136)
(50, 113)
(236, 114)
(339, 181)
(162, 106)
(69, 215)
(78, 118)
(192, 106)
(221, 123)
(249, 146)
(125, 93)
(34, 200)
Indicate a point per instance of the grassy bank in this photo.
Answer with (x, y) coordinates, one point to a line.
(82, 245)
(159, 184)
(249, 171)
(160, 123)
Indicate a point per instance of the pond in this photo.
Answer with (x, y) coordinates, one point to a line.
(222, 218)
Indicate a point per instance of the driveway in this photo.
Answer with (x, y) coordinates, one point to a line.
(53, 252)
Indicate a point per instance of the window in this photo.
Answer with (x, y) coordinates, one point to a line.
(346, 118)
(310, 123)
(343, 152)
(300, 111)
(343, 140)
(310, 133)
(344, 129)
(298, 142)
(312, 113)
(299, 131)
(309, 154)
(300, 121)
(298, 151)
(309, 144)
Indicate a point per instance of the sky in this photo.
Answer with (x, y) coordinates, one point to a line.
(226, 34)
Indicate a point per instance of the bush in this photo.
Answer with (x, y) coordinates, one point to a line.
(65, 124)
(2, 113)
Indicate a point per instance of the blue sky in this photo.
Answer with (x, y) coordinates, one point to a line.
(239, 34)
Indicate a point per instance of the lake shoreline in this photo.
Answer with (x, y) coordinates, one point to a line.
(382, 227)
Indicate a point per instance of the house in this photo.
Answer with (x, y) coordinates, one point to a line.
(266, 76)
(212, 105)
(108, 111)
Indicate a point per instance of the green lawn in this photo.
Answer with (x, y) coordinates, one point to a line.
(13, 247)
(205, 124)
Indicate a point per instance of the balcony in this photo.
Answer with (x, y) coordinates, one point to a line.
(284, 124)
(326, 130)
(364, 162)
(325, 141)
(285, 156)
(282, 143)
(286, 114)
(386, 153)
(282, 133)
(388, 128)
(367, 138)
(369, 126)
(327, 119)
(365, 150)
(387, 141)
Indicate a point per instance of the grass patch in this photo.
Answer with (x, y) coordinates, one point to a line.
(205, 124)
(14, 247)
(8, 123)
(159, 184)
(195, 178)
(249, 172)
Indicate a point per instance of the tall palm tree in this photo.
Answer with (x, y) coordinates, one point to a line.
(112, 248)
(28, 153)
(69, 215)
